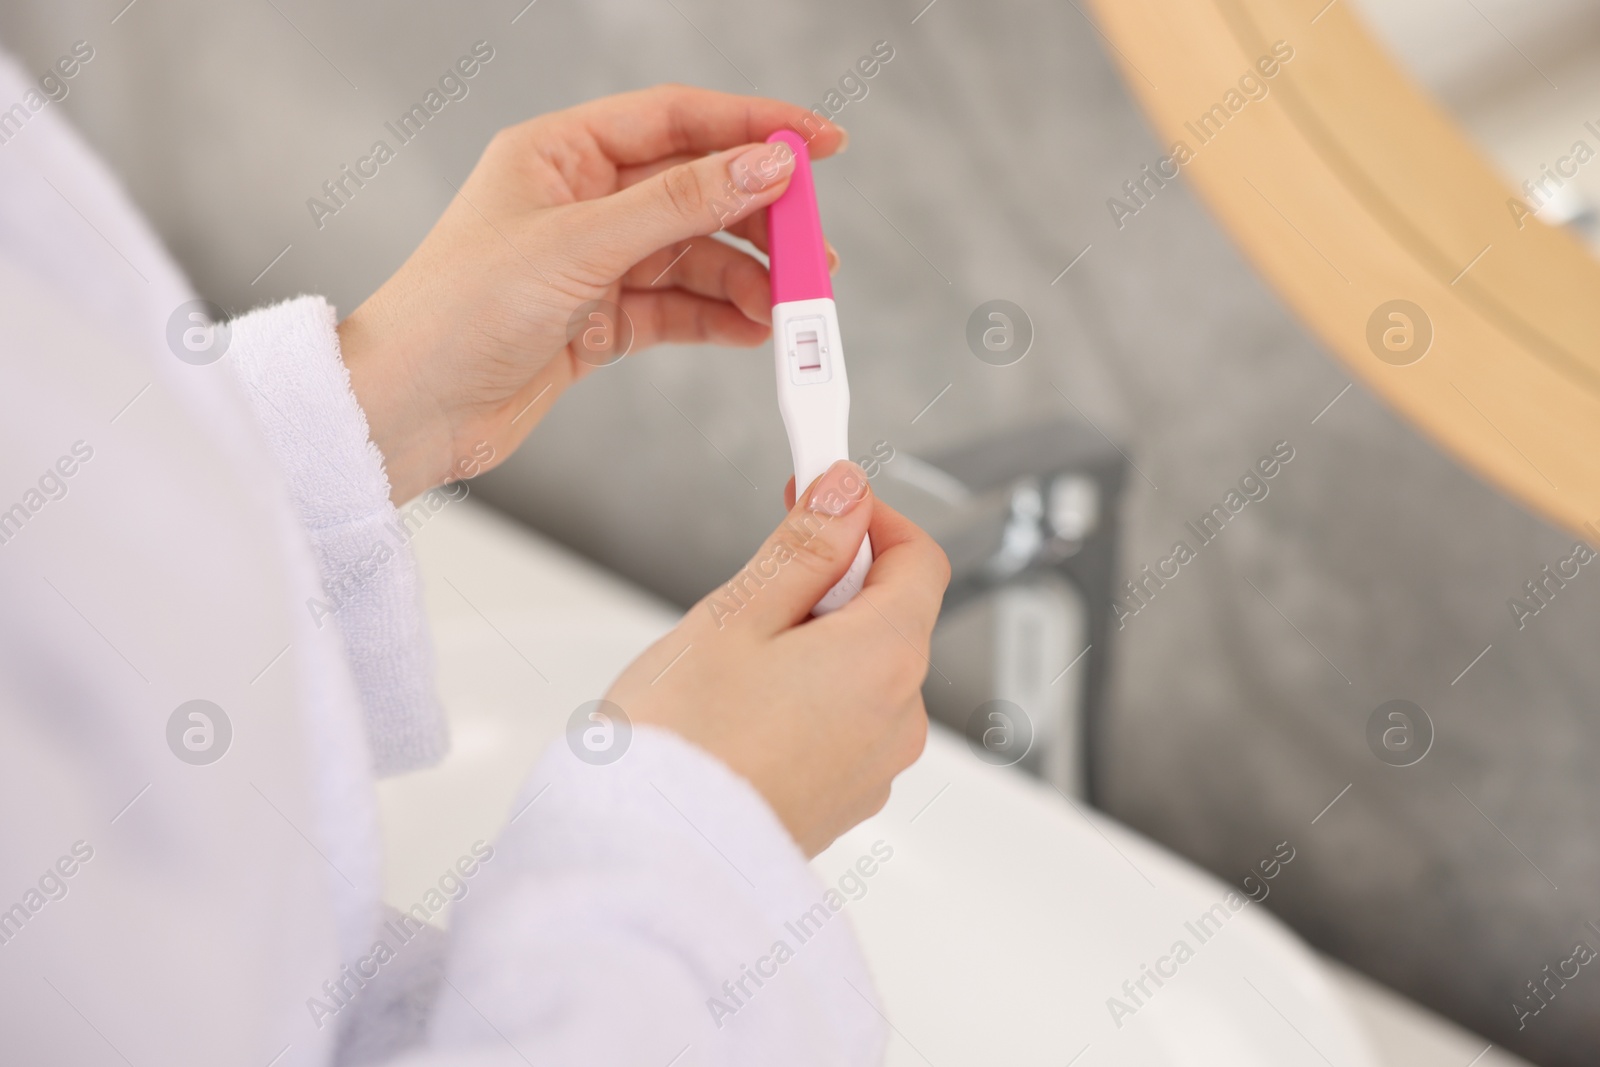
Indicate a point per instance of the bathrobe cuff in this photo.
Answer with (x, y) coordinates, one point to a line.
(655, 903)
(287, 358)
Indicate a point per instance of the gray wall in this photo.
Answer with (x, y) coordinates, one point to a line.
(991, 143)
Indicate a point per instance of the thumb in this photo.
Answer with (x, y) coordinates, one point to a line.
(689, 200)
(804, 558)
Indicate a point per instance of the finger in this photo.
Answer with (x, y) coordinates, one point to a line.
(804, 558)
(635, 128)
(672, 316)
(636, 173)
(609, 234)
(906, 584)
(889, 528)
(752, 228)
(709, 268)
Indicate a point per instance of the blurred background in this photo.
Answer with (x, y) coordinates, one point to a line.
(1229, 712)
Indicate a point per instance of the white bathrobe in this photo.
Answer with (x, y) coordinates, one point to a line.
(164, 530)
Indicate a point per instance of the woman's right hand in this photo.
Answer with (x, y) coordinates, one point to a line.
(819, 714)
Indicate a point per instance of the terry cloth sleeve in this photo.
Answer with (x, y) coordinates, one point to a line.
(287, 358)
(650, 910)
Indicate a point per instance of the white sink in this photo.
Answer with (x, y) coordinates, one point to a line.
(1005, 919)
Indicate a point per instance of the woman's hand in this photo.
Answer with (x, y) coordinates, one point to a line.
(821, 714)
(614, 200)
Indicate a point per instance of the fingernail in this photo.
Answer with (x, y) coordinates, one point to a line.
(833, 257)
(761, 166)
(844, 138)
(839, 490)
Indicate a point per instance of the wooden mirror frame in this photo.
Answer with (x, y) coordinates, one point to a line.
(1349, 188)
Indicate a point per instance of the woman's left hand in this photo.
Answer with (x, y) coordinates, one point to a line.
(491, 319)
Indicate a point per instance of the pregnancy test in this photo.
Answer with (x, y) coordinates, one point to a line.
(813, 393)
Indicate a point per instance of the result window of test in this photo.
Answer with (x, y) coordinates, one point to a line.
(808, 352)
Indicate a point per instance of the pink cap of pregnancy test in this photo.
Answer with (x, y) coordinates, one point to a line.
(794, 233)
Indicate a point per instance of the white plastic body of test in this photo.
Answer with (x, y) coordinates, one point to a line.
(815, 402)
